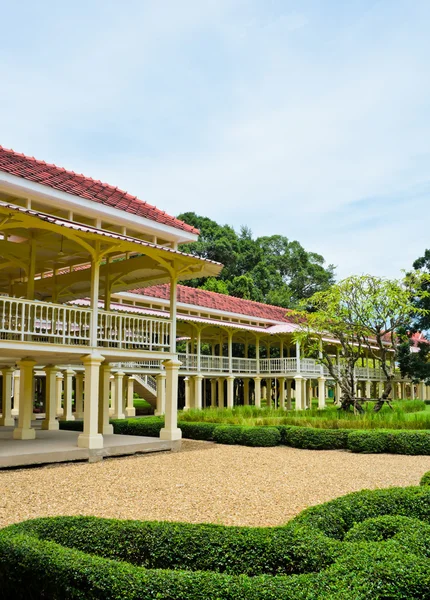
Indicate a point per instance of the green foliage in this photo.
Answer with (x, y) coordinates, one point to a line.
(197, 431)
(393, 442)
(228, 434)
(261, 436)
(370, 544)
(271, 269)
(425, 479)
(314, 439)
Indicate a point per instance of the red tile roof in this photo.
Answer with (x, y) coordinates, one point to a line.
(58, 178)
(203, 298)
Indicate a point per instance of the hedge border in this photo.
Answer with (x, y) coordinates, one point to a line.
(371, 441)
(313, 556)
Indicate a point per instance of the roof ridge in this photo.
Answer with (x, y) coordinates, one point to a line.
(86, 193)
(188, 287)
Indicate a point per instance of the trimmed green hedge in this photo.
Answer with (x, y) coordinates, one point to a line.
(314, 439)
(370, 544)
(425, 479)
(393, 442)
(357, 440)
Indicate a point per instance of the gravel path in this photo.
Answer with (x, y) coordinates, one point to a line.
(205, 482)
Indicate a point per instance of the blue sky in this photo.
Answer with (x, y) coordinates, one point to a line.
(310, 119)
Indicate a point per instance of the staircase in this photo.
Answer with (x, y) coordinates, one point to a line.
(146, 387)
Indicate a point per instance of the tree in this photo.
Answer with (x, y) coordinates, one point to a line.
(368, 316)
(269, 269)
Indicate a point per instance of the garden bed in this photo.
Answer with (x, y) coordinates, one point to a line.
(369, 544)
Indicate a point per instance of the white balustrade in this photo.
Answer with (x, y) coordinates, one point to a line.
(130, 331)
(32, 321)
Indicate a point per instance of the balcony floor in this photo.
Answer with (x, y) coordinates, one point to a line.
(61, 446)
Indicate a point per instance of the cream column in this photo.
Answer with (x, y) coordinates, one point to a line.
(15, 409)
(50, 422)
(161, 394)
(269, 393)
(59, 394)
(221, 392)
(7, 419)
(403, 390)
(412, 391)
(308, 393)
(257, 391)
(394, 390)
(170, 430)
(119, 395)
(213, 393)
(246, 392)
(338, 393)
(187, 394)
(421, 391)
(368, 389)
(91, 438)
(230, 391)
(112, 408)
(68, 379)
(198, 391)
(298, 389)
(79, 399)
(104, 427)
(282, 392)
(130, 411)
(289, 403)
(321, 392)
(24, 431)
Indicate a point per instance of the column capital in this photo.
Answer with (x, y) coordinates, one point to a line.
(171, 364)
(26, 362)
(92, 359)
(52, 369)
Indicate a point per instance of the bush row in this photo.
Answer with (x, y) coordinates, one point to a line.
(368, 441)
(370, 544)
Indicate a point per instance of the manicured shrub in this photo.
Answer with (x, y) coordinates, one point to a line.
(315, 439)
(228, 434)
(425, 479)
(261, 436)
(197, 431)
(372, 441)
(370, 544)
(71, 425)
(145, 426)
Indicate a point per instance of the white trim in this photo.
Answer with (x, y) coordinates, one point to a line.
(90, 208)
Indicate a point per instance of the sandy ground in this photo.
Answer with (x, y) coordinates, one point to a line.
(232, 485)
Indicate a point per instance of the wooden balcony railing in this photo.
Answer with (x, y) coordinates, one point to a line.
(44, 322)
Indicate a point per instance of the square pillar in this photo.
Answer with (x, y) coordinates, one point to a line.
(246, 392)
(368, 389)
(161, 394)
(59, 394)
(15, 409)
(119, 395)
(299, 388)
(50, 422)
(281, 383)
(213, 393)
(421, 391)
(230, 391)
(321, 392)
(7, 419)
(198, 391)
(79, 398)
(257, 392)
(68, 388)
(91, 438)
(104, 427)
(170, 430)
(289, 404)
(220, 392)
(24, 431)
(130, 411)
(112, 395)
(187, 393)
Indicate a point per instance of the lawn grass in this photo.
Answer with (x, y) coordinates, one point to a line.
(407, 414)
